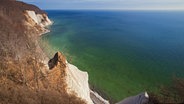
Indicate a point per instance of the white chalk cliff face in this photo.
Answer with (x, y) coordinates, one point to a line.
(37, 21)
(77, 82)
(40, 19)
(59, 77)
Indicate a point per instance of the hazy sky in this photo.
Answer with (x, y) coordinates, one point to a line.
(108, 4)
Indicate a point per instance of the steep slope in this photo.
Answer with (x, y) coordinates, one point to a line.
(18, 32)
(23, 77)
(75, 81)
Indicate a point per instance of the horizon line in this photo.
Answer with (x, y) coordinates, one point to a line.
(114, 9)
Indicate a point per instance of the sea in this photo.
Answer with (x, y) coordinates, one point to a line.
(124, 52)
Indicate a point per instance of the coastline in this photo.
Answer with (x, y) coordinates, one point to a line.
(94, 95)
(34, 71)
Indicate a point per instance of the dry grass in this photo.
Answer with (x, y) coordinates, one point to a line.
(22, 95)
(21, 82)
(22, 79)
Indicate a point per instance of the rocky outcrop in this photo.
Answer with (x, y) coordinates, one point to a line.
(141, 98)
(57, 60)
(40, 19)
(37, 21)
(76, 81)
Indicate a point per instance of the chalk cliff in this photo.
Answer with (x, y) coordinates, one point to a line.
(20, 26)
(76, 81)
(22, 68)
(23, 77)
(40, 21)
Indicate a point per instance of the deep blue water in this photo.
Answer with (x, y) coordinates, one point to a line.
(124, 52)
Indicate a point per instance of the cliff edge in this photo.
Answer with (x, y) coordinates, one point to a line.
(24, 77)
(75, 81)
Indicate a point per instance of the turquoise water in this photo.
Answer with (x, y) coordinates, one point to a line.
(124, 52)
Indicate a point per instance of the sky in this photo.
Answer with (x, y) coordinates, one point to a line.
(109, 4)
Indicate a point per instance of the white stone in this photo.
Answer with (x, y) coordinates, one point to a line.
(77, 82)
(39, 18)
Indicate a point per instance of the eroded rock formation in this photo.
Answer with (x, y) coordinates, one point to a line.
(76, 81)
